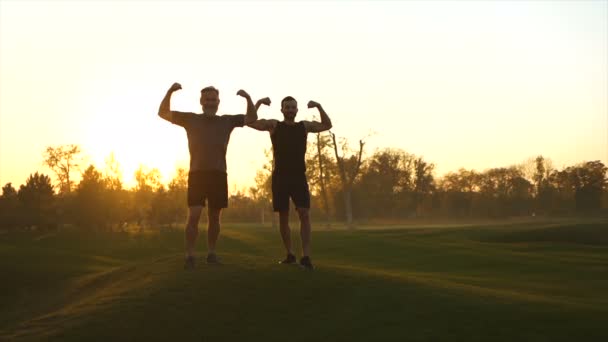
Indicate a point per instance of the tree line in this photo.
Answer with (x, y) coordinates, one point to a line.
(347, 184)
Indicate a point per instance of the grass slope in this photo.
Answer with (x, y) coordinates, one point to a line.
(538, 281)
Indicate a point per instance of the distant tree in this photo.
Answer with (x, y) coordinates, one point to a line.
(540, 173)
(424, 183)
(242, 208)
(170, 206)
(63, 161)
(113, 173)
(520, 196)
(348, 168)
(161, 209)
(590, 185)
(180, 181)
(261, 192)
(563, 185)
(577, 188)
(387, 182)
(8, 191)
(36, 199)
(117, 199)
(147, 180)
(506, 192)
(461, 181)
(320, 169)
(91, 200)
(9, 207)
(147, 183)
(92, 179)
(542, 186)
(460, 193)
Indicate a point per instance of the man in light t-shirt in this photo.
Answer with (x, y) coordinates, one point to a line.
(208, 137)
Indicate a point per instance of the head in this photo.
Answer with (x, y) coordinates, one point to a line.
(210, 100)
(289, 108)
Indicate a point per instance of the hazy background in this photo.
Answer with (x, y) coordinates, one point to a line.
(464, 84)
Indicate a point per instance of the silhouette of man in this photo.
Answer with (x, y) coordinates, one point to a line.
(208, 137)
(289, 170)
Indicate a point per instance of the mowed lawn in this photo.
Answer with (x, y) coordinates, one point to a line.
(539, 280)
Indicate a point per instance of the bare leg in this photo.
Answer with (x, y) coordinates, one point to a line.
(213, 228)
(304, 230)
(285, 231)
(194, 214)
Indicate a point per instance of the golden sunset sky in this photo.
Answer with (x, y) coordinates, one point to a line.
(463, 84)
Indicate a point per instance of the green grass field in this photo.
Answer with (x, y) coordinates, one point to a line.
(496, 281)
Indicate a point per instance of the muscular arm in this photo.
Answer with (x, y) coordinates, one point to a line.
(264, 101)
(263, 124)
(164, 110)
(252, 111)
(315, 126)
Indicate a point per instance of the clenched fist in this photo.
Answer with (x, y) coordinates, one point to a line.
(313, 104)
(242, 93)
(265, 101)
(175, 86)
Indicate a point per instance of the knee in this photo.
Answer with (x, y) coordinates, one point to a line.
(194, 215)
(284, 215)
(213, 215)
(193, 221)
(304, 215)
(191, 232)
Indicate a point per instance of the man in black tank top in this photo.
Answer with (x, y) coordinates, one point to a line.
(289, 170)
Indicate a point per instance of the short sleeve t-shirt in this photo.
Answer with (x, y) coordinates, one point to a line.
(208, 137)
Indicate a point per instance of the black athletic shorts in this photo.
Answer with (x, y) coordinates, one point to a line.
(286, 186)
(211, 186)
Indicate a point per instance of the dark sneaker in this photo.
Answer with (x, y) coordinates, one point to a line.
(212, 259)
(305, 263)
(189, 263)
(289, 260)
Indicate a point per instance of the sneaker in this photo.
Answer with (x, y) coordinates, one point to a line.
(305, 263)
(189, 263)
(213, 259)
(289, 260)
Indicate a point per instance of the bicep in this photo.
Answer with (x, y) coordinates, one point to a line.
(263, 124)
(314, 126)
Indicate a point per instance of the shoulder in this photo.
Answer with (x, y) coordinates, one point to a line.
(182, 118)
(306, 125)
(273, 125)
(237, 120)
(232, 117)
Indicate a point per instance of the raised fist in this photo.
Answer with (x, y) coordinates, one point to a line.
(175, 86)
(242, 93)
(265, 101)
(313, 104)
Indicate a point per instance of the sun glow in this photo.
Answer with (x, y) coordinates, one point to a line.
(458, 84)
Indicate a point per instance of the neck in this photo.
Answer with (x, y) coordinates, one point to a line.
(289, 121)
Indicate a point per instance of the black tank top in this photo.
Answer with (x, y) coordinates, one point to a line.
(289, 148)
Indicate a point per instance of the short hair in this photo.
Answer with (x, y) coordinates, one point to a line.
(210, 88)
(287, 98)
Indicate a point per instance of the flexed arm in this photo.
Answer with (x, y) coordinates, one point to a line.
(315, 126)
(262, 124)
(252, 111)
(164, 111)
(264, 101)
